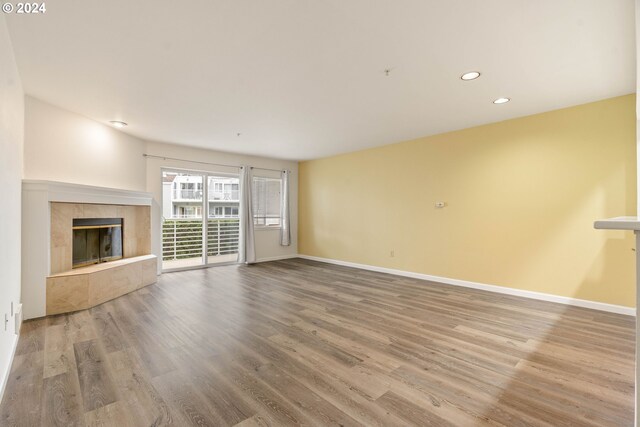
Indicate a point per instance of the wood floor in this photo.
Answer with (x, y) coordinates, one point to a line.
(300, 342)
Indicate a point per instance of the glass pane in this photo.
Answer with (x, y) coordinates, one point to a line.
(110, 243)
(266, 201)
(86, 247)
(182, 202)
(223, 223)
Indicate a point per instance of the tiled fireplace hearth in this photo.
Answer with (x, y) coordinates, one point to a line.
(111, 232)
(89, 286)
(71, 288)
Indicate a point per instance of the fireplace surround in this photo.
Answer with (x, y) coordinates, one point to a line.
(98, 252)
(50, 283)
(135, 225)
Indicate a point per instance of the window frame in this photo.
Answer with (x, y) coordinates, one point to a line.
(205, 259)
(267, 227)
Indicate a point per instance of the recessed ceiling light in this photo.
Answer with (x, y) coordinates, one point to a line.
(471, 75)
(118, 123)
(502, 100)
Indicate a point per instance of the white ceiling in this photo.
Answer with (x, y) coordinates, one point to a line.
(302, 79)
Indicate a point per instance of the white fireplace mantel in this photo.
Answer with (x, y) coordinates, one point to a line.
(36, 230)
(630, 223)
(76, 193)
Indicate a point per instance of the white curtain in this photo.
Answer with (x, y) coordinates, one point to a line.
(247, 247)
(285, 229)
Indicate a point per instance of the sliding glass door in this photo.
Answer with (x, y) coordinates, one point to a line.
(223, 221)
(182, 216)
(200, 221)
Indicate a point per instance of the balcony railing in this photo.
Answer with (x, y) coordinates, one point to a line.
(187, 194)
(187, 216)
(233, 196)
(182, 238)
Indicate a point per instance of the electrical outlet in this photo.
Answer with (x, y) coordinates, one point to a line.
(440, 205)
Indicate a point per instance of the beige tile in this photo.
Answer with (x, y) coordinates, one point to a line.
(129, 216)
(68, 293)
(149, 272)
(143, 230)
(114, 282)
(73, 210)
(100, 211)
(137, 230)
(143, 221)
(61, 259)
(78, 210)
(61, 223)
(120, 210)
(126, 218)
(130, 246)
(143, 246)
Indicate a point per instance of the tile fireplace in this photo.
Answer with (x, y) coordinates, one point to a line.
(69, 232)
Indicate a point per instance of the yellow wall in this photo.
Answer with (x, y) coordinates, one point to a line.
(521, 198)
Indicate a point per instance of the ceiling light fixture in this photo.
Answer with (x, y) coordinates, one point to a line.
(118, 123)
(471, 75)
(502, 100)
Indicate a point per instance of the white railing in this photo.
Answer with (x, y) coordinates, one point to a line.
(232, 196)
(182, 238)
(223, 236)
(187, 194)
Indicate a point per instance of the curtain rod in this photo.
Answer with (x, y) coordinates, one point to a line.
(208, 163)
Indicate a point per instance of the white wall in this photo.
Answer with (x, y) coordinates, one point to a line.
(63, 146)
(267, 241)
(11, 145)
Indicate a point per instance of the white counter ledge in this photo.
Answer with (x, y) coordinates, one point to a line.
(631, 223)
(619, 223)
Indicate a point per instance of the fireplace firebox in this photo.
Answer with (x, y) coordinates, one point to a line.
(96, 240)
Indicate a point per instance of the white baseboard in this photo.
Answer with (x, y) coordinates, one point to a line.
(5, 375)
(277, 258)
(619, 309)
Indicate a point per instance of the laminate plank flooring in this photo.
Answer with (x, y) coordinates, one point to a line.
(298, 342)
